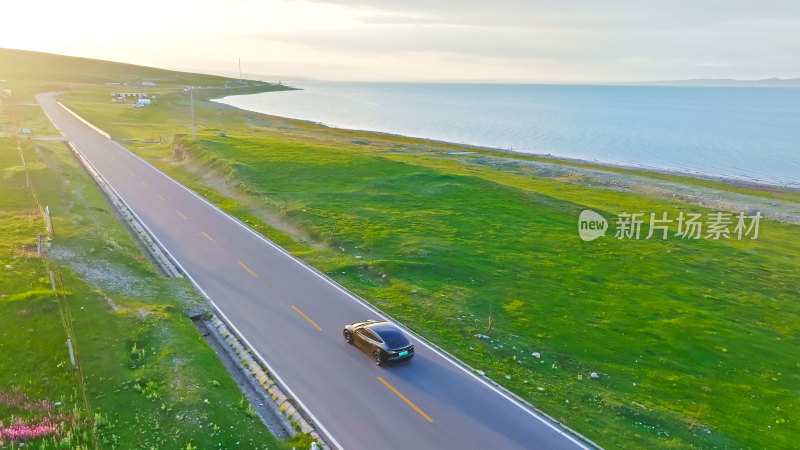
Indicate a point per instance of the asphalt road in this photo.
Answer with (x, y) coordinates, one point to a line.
(292, 316)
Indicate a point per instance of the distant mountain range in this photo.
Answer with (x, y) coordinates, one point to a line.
(768, 82)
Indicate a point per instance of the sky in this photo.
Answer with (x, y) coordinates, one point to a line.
(424, 40)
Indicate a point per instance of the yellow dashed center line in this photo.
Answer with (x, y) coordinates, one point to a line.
(209, 237)
(405, 399)
(306, 317)
(161, 198)
(145, 184)
(247, 269)
(181, 214)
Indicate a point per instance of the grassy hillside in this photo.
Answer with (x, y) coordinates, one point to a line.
(694, 341)
(26, 73)
(22, 65)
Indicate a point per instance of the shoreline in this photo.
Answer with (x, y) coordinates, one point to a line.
(758, 185)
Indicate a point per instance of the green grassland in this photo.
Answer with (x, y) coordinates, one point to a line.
(150, 378)
(695, 341)
(29, 315)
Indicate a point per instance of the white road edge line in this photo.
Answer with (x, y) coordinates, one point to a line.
(322, 276)
(107, 136)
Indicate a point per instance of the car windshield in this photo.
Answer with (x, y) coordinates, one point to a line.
(391, 336)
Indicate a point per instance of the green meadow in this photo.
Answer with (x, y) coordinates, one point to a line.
(695, 342)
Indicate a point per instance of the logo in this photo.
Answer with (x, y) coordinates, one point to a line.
(690, 225)
(591, 225)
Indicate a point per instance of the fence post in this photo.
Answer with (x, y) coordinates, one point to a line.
(49, 221)
(52, 281)
(39, 245)
(71, 353)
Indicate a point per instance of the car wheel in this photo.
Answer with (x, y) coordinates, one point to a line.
(377, 358)
(348, 337)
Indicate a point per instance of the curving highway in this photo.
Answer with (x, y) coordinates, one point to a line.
(292, 317)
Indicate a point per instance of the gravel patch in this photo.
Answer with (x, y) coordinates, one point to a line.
(103, 275)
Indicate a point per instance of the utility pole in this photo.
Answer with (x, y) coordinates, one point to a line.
(3, 117)
(191, 101)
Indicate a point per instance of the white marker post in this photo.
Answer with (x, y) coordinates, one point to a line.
(52, 281)
(49, 221)
(191, 101)
(71, 353)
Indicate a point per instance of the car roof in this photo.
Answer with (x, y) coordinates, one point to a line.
(380, 327)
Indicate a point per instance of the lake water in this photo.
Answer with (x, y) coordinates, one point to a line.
(750, 134)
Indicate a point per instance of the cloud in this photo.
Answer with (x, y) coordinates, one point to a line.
(634, 39)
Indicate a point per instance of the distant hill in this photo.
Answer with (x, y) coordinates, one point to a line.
(22, 64)
(768, 82)
(256, 76)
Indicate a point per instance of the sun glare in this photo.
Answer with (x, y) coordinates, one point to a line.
(169, 33)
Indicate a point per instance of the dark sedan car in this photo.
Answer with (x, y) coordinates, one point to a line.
(382, 340)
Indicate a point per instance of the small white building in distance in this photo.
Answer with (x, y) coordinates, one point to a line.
(148, 83)
(129, 94)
